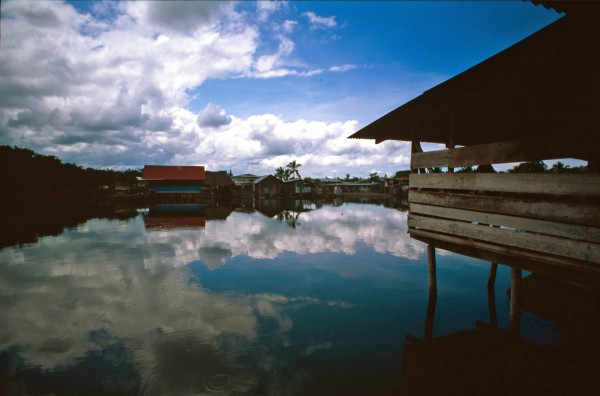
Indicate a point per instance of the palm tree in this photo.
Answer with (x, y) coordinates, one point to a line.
(282, 174)
(292, 167)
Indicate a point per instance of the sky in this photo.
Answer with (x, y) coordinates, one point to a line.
(239, 86)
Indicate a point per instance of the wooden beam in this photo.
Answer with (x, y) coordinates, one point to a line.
(564, 269)
(519, 150)
(429, 159)
(569, 231)
(521, 183)
(572, 213)
(578, 250)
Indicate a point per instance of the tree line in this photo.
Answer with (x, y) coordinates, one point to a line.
(27, 175)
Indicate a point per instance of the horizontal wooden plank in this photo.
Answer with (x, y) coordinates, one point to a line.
(578, 250)
(429, 159)
(587, 215)
(518, 150)
(581, 233)
(587, 185)
(581, 273)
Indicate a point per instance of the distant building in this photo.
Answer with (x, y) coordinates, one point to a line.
(217, 185)
(396, 186)
(267, 186)
(244, 180)
(297, 186)
(349, 187)
(174, 183)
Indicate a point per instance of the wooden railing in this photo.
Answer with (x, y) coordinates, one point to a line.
(541, 218)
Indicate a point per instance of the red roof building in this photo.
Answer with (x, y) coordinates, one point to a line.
(164, 172)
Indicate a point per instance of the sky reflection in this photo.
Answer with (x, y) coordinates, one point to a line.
(113, 284)
(247, 304)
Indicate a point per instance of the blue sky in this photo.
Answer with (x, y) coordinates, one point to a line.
(226, 84)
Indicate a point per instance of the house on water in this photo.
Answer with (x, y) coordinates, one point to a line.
(174, 184)
(536, 100)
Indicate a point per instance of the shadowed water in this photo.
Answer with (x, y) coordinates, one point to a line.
(316, 299)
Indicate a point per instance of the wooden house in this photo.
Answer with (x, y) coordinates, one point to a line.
(396, 185)
(537, 100)
(267, 186)
(352, 187)
(217, 185)
(174, 183)
(296, 186)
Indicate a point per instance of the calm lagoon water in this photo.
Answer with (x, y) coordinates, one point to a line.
(315, 301)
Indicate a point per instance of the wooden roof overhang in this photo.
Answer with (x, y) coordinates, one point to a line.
(544, 88)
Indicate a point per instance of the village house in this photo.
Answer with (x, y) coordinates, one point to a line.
(217, 185)
(351, 187)
(174, 183)
(267, 187)
(395, 185)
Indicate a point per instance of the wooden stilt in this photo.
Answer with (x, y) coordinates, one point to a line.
(432, 283)
(515, 302)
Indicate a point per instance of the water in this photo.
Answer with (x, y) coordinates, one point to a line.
(319, 300)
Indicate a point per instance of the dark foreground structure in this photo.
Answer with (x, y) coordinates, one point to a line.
(537, 100)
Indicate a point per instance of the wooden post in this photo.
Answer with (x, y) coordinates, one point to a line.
(492, 294)
(515, 302)
(432, 283)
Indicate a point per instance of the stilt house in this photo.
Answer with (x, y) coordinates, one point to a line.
(537, 100)
(174, 183)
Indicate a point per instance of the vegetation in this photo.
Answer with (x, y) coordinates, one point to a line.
(540, 166)
(289, 172)
(29, 176)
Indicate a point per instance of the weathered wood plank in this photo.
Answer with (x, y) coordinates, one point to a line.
(587, 215)
(586, 274)
(539, 243)
(523, 183)
(429, 159)
(581, 233)
(518, 150)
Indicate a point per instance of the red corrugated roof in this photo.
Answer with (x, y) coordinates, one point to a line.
(163, 172)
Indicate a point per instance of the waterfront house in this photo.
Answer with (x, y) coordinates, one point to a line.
(351, 187)
(296, 186)
(396, 185)
(174, 183)
(536, 100)
(217, 185)
(244, 185)
(267, 187)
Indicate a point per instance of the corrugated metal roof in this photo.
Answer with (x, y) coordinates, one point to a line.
(164, 172)
(547, 85)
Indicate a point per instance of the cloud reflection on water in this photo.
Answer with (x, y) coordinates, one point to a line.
(327, 230)
(107, 283)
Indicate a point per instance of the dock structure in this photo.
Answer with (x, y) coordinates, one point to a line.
(536, 100)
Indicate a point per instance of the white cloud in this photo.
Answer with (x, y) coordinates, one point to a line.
(112, 88)
(320, 22)
(213, 116)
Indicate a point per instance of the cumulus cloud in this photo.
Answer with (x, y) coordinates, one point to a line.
(213, 116)
(112, 87)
